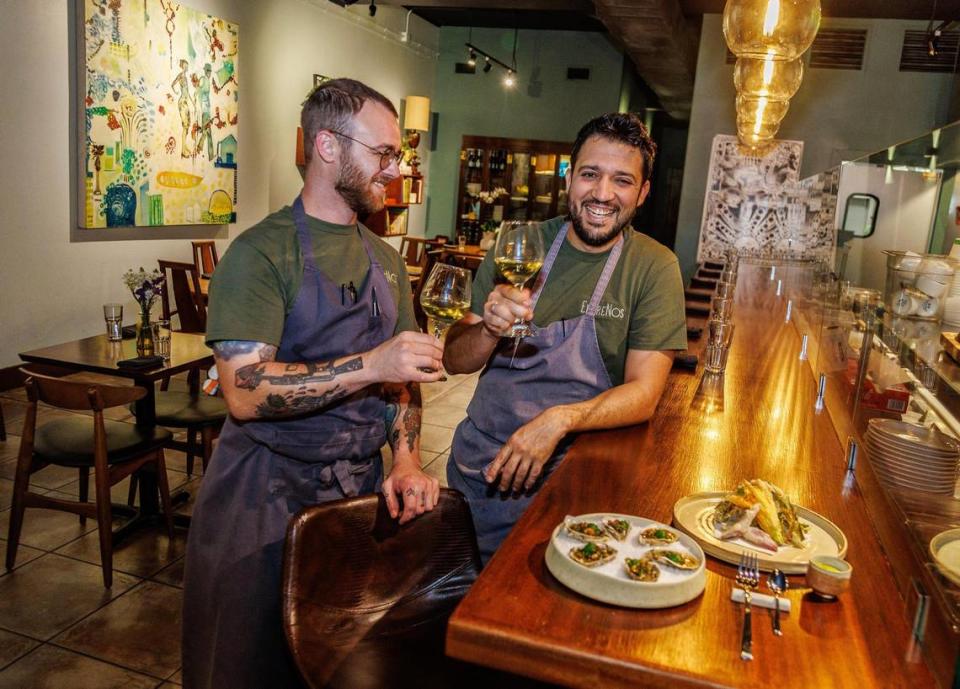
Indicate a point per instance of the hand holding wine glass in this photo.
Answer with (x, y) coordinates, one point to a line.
(519, 256)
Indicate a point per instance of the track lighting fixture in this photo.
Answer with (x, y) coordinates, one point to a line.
(487, 66)
(373, 8)
(509, 80)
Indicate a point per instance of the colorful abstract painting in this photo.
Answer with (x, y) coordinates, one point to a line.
(160, 111)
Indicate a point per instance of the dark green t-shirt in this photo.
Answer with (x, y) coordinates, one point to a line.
(642, 308)
(257, 281)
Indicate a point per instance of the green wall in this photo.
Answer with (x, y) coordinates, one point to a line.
(543, 104)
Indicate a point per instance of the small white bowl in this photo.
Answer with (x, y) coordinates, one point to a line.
(929, 307)
(903, 303)
(932, 285)
(909, 262)
(935, 266)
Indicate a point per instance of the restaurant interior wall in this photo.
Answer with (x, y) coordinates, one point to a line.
(839, 114)
(543, 104)
(53, 288)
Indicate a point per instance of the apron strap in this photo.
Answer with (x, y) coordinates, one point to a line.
(612, 260)
(306, 243)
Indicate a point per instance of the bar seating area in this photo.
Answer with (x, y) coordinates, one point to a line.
(786, 513)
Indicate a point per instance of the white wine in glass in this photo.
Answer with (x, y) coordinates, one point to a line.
(519, 256)
(445, 297)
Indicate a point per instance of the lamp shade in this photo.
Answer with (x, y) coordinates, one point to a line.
(765, 110)
(779, 29)
(749, 131)
(769, 78)
(417, 113)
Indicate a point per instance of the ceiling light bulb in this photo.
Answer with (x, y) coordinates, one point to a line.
(487, 67)
(472, 60)
(509, 80)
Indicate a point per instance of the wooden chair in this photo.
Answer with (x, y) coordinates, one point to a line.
(113, 449)
(205, 257)
(183, 281)
(360, 592)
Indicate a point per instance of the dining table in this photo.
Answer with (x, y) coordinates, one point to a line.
(97, 354)
(756, 420)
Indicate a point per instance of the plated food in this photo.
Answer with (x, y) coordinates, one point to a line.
(593, 554)
(761, 514)
(618, 566)
(658, 535)
(585, 531)
(641, 569)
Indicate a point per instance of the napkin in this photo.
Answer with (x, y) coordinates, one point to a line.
(760, 600)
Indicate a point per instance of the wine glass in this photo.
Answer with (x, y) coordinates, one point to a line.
(518, 256)
(446, 296)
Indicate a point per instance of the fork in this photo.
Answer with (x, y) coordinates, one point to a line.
(748, 576)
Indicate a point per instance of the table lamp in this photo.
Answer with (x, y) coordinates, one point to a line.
(416, 119)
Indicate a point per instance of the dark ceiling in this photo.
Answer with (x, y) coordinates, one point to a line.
(659, 36)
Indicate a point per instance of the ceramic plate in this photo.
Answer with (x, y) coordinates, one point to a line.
(609, 582)
(913, 434)
(694, 515)
(945, 551)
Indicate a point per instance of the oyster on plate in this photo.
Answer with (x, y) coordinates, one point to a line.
(592, 554)
(675, 559)
(642, 569)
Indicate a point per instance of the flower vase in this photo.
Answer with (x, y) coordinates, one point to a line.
(145, 335)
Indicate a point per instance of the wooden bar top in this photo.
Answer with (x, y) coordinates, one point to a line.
(517, 617)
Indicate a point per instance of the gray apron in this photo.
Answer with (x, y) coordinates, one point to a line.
(558, 364)
(264, 472)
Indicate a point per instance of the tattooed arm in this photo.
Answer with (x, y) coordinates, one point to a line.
(256, 386)
(418, 491)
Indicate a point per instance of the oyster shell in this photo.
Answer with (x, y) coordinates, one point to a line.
(592, 554)
(675, 559)
(591, 532)
(618, 528)
(641, 570)
(657, 535)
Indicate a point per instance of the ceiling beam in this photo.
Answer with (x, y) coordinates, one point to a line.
(584, 6)
(661, 44)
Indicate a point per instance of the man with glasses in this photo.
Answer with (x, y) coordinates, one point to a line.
(320, 358)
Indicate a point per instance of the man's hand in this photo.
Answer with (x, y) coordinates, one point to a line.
(419, 492)
(406, 357)
(504, 306)
(520, 461)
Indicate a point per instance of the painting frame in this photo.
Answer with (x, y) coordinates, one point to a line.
(213, 81)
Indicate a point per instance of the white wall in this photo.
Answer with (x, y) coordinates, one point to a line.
(51, 289)
(838, 114)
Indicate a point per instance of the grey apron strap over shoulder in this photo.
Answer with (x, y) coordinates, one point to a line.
(561, 364)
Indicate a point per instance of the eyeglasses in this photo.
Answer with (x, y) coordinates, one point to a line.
(386, 157)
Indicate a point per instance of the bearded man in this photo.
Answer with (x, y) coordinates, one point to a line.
(320, 358)
(608, 315)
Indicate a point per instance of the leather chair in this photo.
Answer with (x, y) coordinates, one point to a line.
(113, 449)
(366, 601)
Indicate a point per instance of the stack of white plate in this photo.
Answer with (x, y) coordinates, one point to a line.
(951, 309)
(911, 456)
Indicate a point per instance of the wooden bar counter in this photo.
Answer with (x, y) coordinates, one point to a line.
(517, 617)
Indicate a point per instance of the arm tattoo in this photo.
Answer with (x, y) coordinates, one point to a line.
(297, 402)
(412, 416)
(391, 396)
(250, 376)
(227, 349)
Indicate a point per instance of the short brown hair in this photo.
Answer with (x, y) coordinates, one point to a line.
(332, 105)
(624, 127)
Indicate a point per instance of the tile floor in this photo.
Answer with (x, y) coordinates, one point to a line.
(60, 628)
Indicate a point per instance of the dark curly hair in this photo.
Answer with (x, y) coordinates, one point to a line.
(624, 127)
(332, 105)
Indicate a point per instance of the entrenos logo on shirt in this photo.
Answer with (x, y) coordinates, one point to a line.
(391, 277)
(607, 310)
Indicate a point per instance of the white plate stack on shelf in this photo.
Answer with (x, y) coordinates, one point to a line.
(951, 309)
(907, 455)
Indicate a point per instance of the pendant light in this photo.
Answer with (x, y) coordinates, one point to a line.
(777, 29)
(769, 78)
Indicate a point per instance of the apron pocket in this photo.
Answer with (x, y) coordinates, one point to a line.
(329, 446)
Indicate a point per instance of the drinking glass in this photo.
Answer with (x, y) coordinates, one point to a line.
(446, 296)
(719, 332)
(113, 316)
(715, 357)
(519, 256)
(161, 338)
(721, 309)
(461, 241)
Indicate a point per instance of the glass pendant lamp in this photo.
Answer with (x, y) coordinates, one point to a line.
(761, 109)
(768, 78)
(777, 29)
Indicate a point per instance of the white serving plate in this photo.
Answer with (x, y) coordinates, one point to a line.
(945, 551)
(913, 434)
(609, 582)
(918, 465)
(912, 450)
(694, 515)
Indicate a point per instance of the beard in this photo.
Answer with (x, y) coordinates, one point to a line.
(357, 189)
(586, 235)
